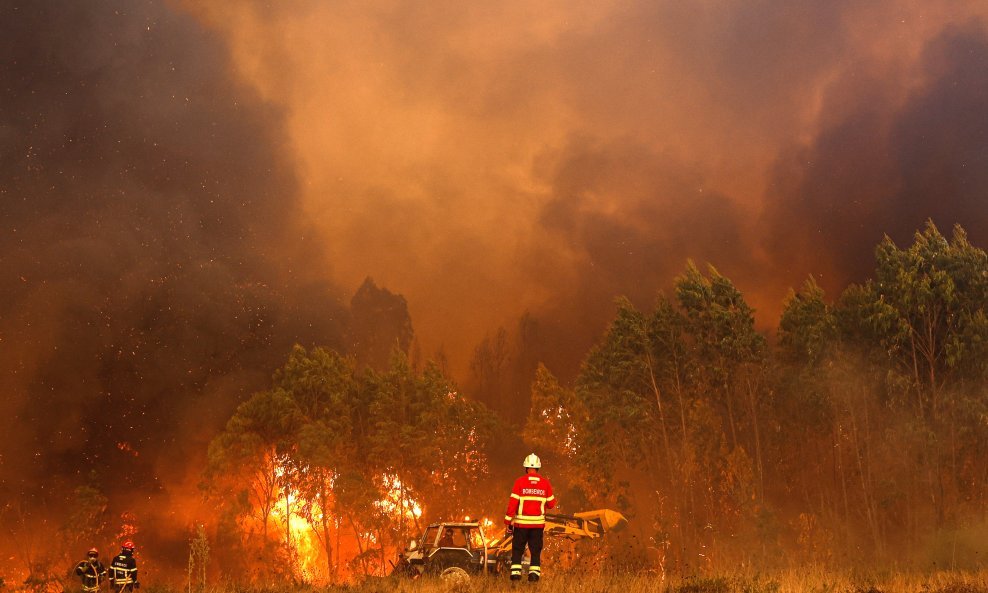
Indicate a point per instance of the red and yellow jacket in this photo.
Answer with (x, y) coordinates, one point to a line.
(530, 497)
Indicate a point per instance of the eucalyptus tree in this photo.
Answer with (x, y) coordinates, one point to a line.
(323, 389)
(246, 457)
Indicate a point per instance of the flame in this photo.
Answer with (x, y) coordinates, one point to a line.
(487, 526)
(556, 417)
(299, 535)
(128, 527)
(301, 538)
(397, 502)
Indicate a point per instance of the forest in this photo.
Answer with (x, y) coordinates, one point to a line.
(854, 434)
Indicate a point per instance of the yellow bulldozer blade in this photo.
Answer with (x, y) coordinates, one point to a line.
(589, 524)
(586, 525)
(608, 519)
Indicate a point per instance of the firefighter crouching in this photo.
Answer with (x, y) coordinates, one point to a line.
(525, 518)
(91, 571)
(123, 569)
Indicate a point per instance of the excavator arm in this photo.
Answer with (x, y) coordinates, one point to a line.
(587, 525)
(591, 524)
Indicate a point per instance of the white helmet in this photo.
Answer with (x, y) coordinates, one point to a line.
(533, 461)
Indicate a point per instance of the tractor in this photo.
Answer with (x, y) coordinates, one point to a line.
(458, 550)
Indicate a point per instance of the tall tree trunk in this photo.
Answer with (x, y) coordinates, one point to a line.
(662, 415)
(730, 413)
(336, 558)
(686, 472)
(380, 541)
(323, 497)
(839, 458)
(292, 553)
(864, 473)
(753, 404)
(360, 541)
(670, 466)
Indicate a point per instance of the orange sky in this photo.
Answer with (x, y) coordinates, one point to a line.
(426, 135)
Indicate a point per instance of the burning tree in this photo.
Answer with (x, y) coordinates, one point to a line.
(347, 459)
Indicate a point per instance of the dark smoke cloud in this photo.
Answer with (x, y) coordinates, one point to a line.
(634, 218)
(423, 131)
(153, 265)
(883, 166)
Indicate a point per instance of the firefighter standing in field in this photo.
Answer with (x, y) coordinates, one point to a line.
(123, 569)
(91, 571)
(530, 497)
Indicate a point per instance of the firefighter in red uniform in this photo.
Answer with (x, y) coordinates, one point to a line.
(530, 497)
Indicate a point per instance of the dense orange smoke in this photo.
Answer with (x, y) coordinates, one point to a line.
(487, 160)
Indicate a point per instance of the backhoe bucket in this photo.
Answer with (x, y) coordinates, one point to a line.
(591, 524)
(607, 519)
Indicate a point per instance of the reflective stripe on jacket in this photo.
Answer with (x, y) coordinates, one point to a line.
(91, 574)
(123, 570)
(530, 497)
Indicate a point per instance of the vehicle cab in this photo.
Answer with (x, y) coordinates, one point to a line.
(446, 548)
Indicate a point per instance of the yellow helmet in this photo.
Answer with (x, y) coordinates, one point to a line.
(533, 461)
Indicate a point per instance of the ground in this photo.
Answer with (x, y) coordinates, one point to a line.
(808, 580)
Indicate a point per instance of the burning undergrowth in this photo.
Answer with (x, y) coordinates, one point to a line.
(328, 470)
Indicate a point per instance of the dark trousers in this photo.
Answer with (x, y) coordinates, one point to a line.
(533, 538)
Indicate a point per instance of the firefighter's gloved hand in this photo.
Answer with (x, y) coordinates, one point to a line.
(510, 529)
(137, 585)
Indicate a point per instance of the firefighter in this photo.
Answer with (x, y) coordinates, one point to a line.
(123, 569)
(525, 518)
(91, 571)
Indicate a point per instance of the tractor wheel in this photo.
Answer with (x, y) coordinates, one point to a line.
(455, 576)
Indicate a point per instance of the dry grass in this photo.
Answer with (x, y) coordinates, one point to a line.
(794, 581)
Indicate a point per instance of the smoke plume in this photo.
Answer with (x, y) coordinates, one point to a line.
(154, 265)
(485, 161)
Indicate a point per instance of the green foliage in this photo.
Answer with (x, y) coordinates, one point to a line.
(925, 308)
(718, 318)
(808, 327)
(613, 387)
(672, 398)
(864, 426)
(556, 418)
(905, 374)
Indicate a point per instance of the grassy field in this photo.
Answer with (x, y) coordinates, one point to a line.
(807, 581)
